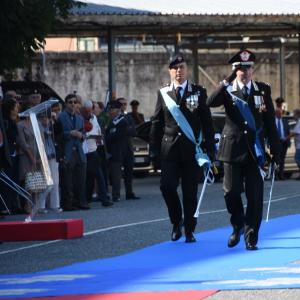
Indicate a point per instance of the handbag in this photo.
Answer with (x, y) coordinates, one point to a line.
(35, 182)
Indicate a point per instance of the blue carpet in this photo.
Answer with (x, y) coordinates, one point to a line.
(177, 266)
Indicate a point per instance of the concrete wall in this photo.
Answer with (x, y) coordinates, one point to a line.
(139, 75)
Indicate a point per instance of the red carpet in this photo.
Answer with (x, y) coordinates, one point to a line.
(179, 295)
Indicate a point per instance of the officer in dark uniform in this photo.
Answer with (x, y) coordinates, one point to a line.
(240, 144)
(135, 114)
(116, 142)
(177, 151)
(128, 153)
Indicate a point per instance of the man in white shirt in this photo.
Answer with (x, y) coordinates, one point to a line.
(90, 144)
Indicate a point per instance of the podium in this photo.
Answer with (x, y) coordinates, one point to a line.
(41, 230)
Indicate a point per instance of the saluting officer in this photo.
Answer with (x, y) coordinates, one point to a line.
(249, 115)
(177, 151)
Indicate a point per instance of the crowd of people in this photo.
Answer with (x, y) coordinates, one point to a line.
(88, 148)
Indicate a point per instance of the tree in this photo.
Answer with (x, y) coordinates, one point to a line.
(24, 25)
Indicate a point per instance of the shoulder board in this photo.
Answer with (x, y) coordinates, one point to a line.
(197, 86)
(118, 119)
(167, 84)
(166, 88)
(260, 83)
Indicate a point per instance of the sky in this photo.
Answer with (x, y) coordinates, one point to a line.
(208, 6)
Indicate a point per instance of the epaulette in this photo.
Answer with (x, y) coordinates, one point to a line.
(196, 86)
(118, 119)
(263, 83)
(167, 84)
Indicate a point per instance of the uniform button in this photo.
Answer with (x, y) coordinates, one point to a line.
(166, 139)
(179, 133)
(245, 131)
(245, 122)
(224, 135)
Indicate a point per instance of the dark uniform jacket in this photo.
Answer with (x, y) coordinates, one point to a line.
(237, 140)
(167, 135)
(116, 138)
(130, 133)
(5, 161)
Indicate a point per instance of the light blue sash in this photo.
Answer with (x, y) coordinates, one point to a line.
(201, 158)
(248, 116)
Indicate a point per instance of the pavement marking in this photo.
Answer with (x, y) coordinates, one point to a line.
(44, 278)
(28, 247)
(122, 226)
(20, 292)
(260, 283)
(282, 198)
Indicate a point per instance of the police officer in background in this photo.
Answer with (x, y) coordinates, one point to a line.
(249, 114)
(135, 114)
(116, 142)
(128, 153)
(177, 150)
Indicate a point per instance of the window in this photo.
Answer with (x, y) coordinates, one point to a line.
(87, 44)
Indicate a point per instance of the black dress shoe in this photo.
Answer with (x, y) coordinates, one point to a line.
(250, 246)
(250, 240)
(107, 203)
(176, 232)
(132, 197)
(235, 237)
(189, 237)
(84, 207)
(70, 208)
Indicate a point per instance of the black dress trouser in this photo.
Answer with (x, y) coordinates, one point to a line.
(238, 178)
(73, 182)
(171, 172)
(282, 154)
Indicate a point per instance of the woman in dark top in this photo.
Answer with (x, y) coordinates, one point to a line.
(10, 109)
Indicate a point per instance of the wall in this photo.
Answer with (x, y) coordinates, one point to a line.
(139, 75)
(60, 44)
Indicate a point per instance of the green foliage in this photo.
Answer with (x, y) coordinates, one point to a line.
(24, 25)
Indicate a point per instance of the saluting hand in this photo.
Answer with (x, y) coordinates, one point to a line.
(232, 76)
